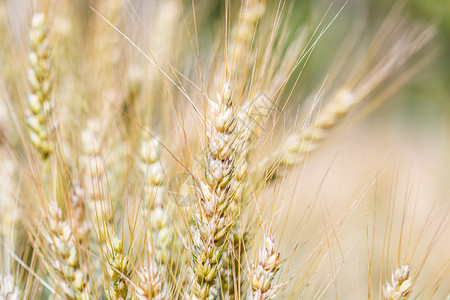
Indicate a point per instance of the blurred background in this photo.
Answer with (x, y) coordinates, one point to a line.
(404, 143)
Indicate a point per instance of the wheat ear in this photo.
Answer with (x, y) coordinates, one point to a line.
(95, 182)
(400, 287)
(118, 270)
(370, 75)
(40, 105)
(152, 284)
(213, 197)
(153, 280)
(67, 258)
(239, 52)
(300, 145)
(249, 123)
(262, 275)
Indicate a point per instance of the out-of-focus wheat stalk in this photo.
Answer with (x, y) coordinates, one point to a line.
(153, 274)
(39, 99)
(95, 182)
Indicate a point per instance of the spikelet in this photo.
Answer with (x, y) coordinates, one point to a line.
(213, 198)
(118, 268)
(40, 104)
(400, 287)
(72, 277)
(262, 275)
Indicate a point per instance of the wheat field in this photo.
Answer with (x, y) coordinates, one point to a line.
(253, 149)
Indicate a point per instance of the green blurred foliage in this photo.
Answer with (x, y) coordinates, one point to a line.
(432, 86)
(425, 100)
(436, 11)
